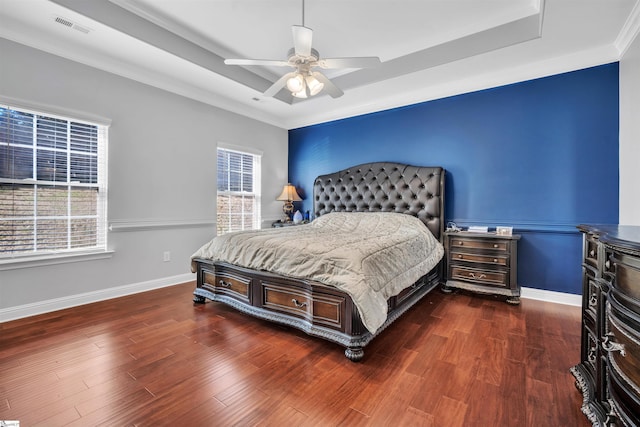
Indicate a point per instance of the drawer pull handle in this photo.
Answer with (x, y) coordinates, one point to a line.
(611, 346)
(495, 260)
(460, 243)
(460, 256)
(592, 253)
(480, 276)
(591, 357)
(298, 304)
(593, 300)
(224, 284)
(495, 245)
(607, 264)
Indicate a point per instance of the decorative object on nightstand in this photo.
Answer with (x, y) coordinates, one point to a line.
(288, 196)
(297, 217)
(484, 263)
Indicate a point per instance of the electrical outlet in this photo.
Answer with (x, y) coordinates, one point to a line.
(166, 256)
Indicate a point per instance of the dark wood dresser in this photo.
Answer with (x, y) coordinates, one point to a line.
(608, 374)
(484, 263)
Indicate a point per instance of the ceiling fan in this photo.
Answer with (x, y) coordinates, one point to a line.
(305, 81)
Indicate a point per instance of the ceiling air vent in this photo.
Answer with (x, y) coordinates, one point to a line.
(71, 24)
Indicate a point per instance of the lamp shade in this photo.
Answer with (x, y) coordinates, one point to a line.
(289, 193)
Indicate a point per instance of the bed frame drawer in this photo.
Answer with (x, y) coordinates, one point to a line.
(317, 308)
(227, 283)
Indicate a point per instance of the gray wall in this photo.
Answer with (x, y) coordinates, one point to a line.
(162, 168)
(630, 135)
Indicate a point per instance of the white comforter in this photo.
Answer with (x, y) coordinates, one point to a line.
(369, 255)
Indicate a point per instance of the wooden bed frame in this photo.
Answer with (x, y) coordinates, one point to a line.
(321, 310)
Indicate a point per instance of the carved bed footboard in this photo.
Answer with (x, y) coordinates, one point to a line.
(314, 308)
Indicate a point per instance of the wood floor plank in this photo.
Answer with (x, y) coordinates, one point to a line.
(156, 358)
(513, 393)
(492, 361)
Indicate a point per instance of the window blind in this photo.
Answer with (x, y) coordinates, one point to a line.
(238, 197)
(52, 183)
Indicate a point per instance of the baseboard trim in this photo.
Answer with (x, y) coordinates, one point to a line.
(47, 306)
(41, 307)
(551, 296)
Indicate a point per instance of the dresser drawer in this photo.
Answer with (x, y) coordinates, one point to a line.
(485, 277)
(625, 405)
(321, 309)
(622, 346)
(626, 281)
(622, 341)
(227, 283)
(495, 245)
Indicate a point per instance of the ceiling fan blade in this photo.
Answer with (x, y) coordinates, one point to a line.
(265, 62)
(302, 37)
(278, 85)
(361, 62)
(329, 87)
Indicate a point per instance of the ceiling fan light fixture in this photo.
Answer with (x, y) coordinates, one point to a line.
(301, 94)
(303, 82)
(295, 83)
(314, 85)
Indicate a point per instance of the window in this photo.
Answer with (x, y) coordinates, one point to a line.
(52, 184)
(238, 191)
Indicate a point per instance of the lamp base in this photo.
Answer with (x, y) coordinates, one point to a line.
(287, 209)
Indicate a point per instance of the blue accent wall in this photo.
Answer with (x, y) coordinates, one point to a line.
(540, 155)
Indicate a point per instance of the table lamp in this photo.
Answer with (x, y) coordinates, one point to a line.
(288, 196)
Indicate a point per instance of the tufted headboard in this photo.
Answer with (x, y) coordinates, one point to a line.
(384, 187)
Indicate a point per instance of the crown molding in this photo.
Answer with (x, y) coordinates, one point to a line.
(629, 31)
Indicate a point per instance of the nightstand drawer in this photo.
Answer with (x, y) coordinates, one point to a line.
(496, 245)
(486, 277)
(500, 260)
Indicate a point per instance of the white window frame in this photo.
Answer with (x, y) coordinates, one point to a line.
(47, 257)
(256, 184)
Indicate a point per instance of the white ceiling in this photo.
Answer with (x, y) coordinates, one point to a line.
(429, 48)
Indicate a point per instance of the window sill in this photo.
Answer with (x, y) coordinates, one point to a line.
(52, 259)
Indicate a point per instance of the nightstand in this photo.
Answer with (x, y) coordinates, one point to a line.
(483, 262)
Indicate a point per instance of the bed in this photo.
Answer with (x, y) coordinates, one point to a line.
(278, 274)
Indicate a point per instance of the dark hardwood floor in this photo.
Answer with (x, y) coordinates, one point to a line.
(156, 359)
